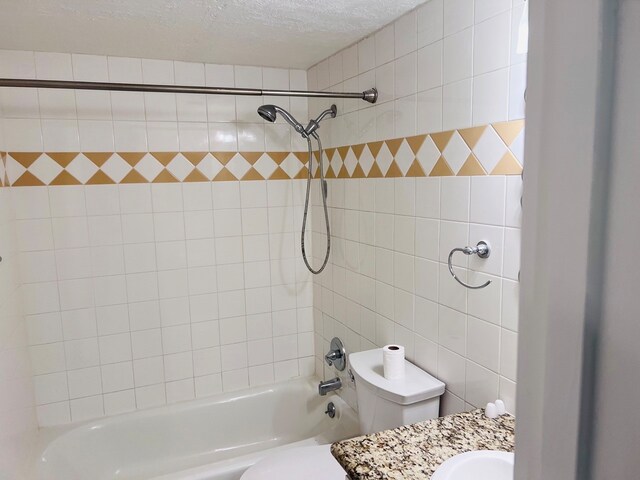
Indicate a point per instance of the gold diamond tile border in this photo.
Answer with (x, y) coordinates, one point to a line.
(484, 150)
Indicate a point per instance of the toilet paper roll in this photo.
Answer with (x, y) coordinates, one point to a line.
(393, 361)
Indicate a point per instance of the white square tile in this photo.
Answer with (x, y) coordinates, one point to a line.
(454, 199)
(104, 230)
(128, 106)
(206, 361)
(40, 297)
(78, 324)
(130, 136)
(366, 54)
(428, 197)
(406, 34)
(112, 319)
(24, 135)
(37, 267)
(176, 339)
(67, 201)
(235, 380)
(491, 97)
(430, 22)
(517, 90)
(509, 354)
(53, 66)
(487, 203)
(451, 370)
(180, 391)
(458, 15)
(146, 343)
(488, 8)
(51, 388)
(457, 56)
(349, 62)
(150, 396)
(115, 348)
(76, 294)
(491, 44)
(426, 279)
(481, 385)
(117, 377)
(406, 75)
(47, 358)
(483, 343)
(384, 45)
(148, 371)
(208, 385)
(178, 366)
(510, 300)
(430, 68)
(44, 328)
(119, 402)
(487, 305)
(512, 253)
(82, 353)
(86, 408)
(456, 105)
(169, 226)
(84, 382)
(427, 238)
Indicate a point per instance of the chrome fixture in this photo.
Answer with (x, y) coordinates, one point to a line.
(337, 355)
(269, 113)
(331, 410)
(370, 95)
(327, 386)
(482, 249)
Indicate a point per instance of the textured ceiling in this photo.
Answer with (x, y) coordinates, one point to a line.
(280, 33)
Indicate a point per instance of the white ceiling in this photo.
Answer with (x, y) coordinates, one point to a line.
(279, 33)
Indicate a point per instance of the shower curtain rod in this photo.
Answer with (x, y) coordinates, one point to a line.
(370, 95)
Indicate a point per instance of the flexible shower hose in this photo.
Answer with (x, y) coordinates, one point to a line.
(323, 189)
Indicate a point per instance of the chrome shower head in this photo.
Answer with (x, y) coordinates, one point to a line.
(269, 113)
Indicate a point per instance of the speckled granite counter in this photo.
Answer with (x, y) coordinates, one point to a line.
(415, 451)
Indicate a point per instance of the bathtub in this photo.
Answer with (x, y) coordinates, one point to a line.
(214, 438)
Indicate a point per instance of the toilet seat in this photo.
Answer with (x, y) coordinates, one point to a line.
(309, 463)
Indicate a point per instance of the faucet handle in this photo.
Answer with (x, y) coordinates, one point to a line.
(337, 355)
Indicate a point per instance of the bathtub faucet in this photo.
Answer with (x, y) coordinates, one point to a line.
(327, 386)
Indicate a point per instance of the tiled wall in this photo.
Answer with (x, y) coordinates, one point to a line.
(449, 65)
(17, 412)
(154, 292)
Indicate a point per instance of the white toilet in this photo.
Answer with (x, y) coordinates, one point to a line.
(382, 404)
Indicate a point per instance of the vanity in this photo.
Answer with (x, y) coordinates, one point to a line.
(414, 452)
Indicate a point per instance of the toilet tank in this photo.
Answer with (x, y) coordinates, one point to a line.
(385, 404)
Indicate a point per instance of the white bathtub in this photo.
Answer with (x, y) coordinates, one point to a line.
(215, 438)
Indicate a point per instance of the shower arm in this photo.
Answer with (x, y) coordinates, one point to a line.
(370, 95)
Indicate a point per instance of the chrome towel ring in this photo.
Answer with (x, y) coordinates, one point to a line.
(482, 249)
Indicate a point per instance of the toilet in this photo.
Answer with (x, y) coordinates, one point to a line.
(382, 404)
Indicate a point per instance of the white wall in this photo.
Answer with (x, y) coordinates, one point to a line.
(17, 412)
(137, 295)
(447, 65)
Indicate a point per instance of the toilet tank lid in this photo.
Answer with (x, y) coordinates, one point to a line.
(416, 386)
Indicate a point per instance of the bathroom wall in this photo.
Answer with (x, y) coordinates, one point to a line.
(17, 410)
(401, 199)
(157, 234)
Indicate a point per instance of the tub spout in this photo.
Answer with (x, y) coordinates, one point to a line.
(327, 386)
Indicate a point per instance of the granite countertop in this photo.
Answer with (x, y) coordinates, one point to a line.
(415, 451)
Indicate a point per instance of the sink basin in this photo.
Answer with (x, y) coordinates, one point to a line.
(477, 465)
